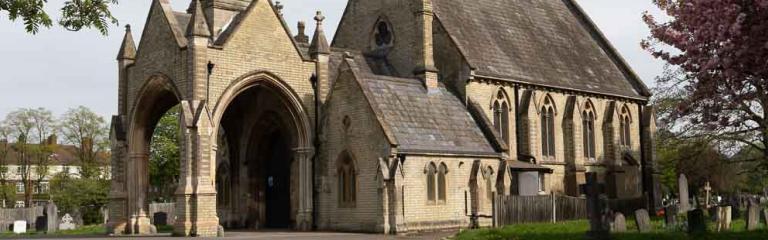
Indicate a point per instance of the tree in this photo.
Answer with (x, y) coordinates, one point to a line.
(80, 195)
(21, 125)
(88, 132)
(165, 156)
(719, 47)
(75, 15)
(44, 129)
(7, 191)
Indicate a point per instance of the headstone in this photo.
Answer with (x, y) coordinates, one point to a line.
(40, 223)
(696, 222)
(595, 208)
(19, 227)
(643, 221)
(724, 218)
(160, 218)
(765, 216)
(682, 184)
(52, 215)
(670, 215)
(152, 229)
(619, 223)
(67, 223)
(753, 217)
(220, 231)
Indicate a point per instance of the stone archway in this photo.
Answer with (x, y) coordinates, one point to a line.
(269, 140)
(155, 98)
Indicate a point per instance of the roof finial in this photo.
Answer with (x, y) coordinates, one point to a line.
(198, 26)
(319, 42)
(279, 7)
(128, 47)
(302, 36)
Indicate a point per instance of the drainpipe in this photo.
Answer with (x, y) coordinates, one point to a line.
(316, 143)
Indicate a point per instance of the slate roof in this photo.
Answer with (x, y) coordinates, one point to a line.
(418, 121)
(542, 42)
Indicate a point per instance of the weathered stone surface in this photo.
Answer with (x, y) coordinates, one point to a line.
(643, 220)
(67, 222)
(753, 217)
(619, 223)
(724, 218)
(683, 195)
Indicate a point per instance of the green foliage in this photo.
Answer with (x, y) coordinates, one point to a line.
(8, 194)
(165, 155)
(75, 15)
(89, 133)
(578, 229)
(82, 195)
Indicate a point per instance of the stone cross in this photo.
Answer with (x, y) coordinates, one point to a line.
(67, 223)
(707, 192)
(682, 183)
(593, 189)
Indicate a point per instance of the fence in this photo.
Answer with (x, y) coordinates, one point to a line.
(552, 208)
(9, 215)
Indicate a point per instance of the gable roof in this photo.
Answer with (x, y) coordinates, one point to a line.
(436, 123)
(541, 42)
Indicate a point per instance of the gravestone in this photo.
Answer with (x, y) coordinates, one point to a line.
(670, 215)
(765, 217)
(160, 219)
(753, 217)
(619, 223)
(682, 184)
(707, 192)
(52, 215)
(643, 221)
(67, 223)
(19, 227)
(595, 208)
(724, 218)
(40, 223)
(696, 222)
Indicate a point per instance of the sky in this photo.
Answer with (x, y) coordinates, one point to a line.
(58, 69)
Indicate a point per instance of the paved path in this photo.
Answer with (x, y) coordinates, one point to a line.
(283, 235)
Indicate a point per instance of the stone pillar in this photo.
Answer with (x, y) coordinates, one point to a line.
(650, 174)
(304, 218)
(118, 213)
(137, 199)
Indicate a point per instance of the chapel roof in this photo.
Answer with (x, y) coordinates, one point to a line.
(419, 122)
(540, 42)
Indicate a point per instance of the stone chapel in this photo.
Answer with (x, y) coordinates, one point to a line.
(411, 119)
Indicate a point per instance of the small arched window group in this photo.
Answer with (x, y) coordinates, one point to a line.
(436, 190)
(548, 129)
(347, 181)
(501, 115)
(625, 138)
(588, 131)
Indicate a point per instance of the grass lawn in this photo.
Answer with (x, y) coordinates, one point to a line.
(90, 230)
(577, 230)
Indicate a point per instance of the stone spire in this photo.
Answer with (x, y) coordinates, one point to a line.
(302, 36)
(319, 42)
(128, 48)
(198, 26)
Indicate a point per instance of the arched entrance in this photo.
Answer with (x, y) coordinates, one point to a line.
(156, 97)
(265, 180)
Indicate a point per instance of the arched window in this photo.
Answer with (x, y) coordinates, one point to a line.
(436, 191)
(588, 129)
(431, 175)
(626, 139)
(347, 181)
(441, 190)
(548, 129)
(501, 115)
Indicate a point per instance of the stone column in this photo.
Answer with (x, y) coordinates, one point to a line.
(137, 199)
(118, 212)
(304, 218)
